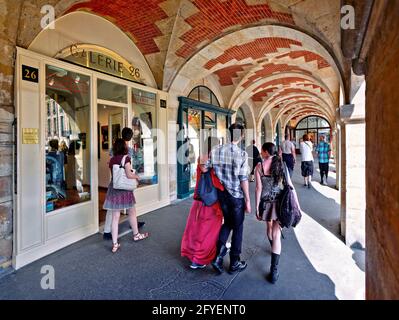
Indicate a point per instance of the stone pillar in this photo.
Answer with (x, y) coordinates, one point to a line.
(9, 15)
(353, 184)
(382, 115)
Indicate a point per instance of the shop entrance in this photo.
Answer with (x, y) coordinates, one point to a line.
(110, 122)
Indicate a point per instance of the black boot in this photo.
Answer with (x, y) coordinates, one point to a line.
(273, 275)
(217, 264)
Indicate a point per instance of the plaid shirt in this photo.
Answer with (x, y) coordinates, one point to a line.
(231, 167)
(323, 149)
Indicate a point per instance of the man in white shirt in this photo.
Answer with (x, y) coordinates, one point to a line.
(287, 149)
(307, 160)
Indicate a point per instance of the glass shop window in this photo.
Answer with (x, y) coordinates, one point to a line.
(67, 151)
(144, 124)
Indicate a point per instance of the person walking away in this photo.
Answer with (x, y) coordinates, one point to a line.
(117, 200)
(231, 167)
(287, 150)
(269, 184)
(253, 158)
(204, 222)
(324, 153)
(307, 166)
(127, 135)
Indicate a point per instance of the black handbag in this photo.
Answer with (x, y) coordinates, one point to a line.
(288, 211)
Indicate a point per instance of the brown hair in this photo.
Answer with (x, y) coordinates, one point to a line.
(305, 137)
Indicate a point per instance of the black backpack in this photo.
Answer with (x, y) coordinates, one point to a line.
(288, 212)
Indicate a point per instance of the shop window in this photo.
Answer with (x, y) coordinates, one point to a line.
(222, 128)
(68, 153)
(204, 94)
(240, 118)
(194, 127)
(144, 140)
(111, 91)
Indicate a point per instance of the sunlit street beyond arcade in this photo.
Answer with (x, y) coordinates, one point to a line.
(315, 264)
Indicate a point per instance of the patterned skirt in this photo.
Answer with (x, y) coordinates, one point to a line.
(118, 199)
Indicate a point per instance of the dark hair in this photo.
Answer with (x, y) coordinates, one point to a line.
(53, 143)
(286, 136)
(276, 168)
(305, 137)
(119, 148)
(253, 141)
(236, 131)
(127, 134)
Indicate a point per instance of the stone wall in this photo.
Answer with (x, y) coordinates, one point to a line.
(382, 188)
(9, 16)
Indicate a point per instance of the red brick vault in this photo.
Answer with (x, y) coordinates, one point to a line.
(251, 69)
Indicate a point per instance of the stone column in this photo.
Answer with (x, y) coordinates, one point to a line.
(9, 15)
(353, 186)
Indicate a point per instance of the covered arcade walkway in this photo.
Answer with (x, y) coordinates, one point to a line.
(315, 262)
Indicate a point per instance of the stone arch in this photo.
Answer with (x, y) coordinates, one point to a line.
(83, 27)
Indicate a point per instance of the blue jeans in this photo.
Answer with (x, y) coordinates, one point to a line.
(233, 213)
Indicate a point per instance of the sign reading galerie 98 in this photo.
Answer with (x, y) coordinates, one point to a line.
(100, 59)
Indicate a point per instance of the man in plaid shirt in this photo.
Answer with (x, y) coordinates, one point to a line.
(324, 152)
(231, 167)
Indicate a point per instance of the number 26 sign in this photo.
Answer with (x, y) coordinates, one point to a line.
(30, 74)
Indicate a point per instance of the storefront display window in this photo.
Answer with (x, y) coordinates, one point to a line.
(68, 145)
(144, 140)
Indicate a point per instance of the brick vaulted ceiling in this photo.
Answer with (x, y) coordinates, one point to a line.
(171, 33)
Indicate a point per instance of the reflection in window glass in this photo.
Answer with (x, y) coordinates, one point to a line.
(312, 122)
(240, 118)
(111, 91)
(323, 123)
(194, 94)
(303, 124)
(215, 101)
(194, 127)
(222, 125)
(144, 140)
(68, 149)
(204, 95)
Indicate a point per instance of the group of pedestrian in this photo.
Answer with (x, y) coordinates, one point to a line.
(209, 226)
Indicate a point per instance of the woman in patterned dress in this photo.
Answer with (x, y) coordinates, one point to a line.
(117, 200)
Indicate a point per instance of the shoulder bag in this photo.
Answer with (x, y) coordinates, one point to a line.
(120, 180)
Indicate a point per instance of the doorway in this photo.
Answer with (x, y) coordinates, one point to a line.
(110, 122)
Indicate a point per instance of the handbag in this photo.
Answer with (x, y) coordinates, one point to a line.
(120, 180)
(206, 190)
(288, 212)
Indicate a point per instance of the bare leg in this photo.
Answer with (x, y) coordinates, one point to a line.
(276, 248)
(133, 220)
(269, 229)
(115, 225)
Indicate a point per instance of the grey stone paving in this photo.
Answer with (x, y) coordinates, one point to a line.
(153, 269)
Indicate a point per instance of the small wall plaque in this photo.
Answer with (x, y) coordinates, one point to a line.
(163, 103)
(30, 136)
(30, 74)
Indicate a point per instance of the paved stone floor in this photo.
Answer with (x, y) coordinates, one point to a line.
(315, 263)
